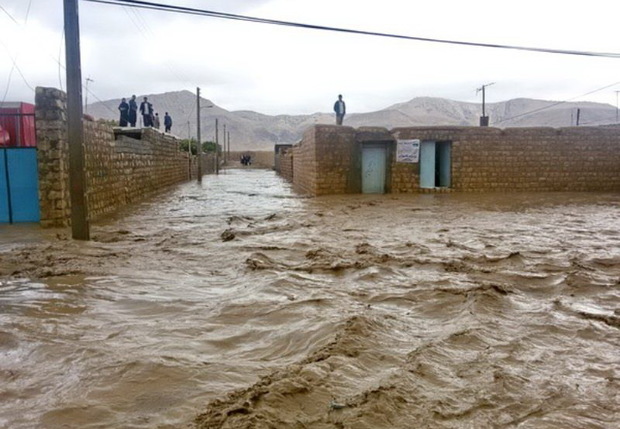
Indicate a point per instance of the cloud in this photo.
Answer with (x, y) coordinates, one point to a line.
(274, 69)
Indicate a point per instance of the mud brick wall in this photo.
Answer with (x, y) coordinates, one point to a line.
(118, 172)
(322, 160)
(528, 159)
(483, 159)
(264, 159)
(284, 164)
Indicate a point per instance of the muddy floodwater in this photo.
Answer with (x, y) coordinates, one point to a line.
(240, 304)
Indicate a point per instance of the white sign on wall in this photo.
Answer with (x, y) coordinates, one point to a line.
(408, 151)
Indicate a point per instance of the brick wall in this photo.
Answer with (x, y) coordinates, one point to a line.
(322, 160)
(118, 172)
(284, 163)
(327, 160)
(264, 159)
(528, 159)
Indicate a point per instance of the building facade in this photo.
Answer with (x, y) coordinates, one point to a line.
(334, 159)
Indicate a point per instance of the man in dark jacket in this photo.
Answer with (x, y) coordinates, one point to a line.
(146, 109)
(341, 109)
(133, 111)
(124, 109)
(167, 122)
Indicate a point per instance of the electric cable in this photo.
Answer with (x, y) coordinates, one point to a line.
(223, 15)
(14, 59)
(554, 104)
(8, 14)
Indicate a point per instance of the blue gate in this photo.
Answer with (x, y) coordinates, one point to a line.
(19, 185)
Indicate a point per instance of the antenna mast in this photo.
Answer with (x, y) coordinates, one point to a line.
(484, 119)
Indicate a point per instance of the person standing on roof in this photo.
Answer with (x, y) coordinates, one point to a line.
(167, 122)
(146, 109)
(133, 111)
(124, 109)
(341, 109)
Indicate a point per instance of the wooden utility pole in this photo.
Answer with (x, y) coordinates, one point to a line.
(217, 140)
(228, 145)
(80, 229)
(578, 116)
(224, 143)
(198, 144)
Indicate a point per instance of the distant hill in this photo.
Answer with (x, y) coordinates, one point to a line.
(255, 131)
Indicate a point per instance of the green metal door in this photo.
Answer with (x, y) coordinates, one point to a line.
(373, 169)
(427, 165)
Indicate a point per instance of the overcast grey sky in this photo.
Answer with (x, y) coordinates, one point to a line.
(282, 70)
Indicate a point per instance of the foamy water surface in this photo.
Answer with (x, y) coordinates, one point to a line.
(254, 307)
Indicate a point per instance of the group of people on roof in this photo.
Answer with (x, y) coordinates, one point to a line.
(150, 118)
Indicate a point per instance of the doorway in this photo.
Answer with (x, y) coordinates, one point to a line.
(435, 164)
(374, 162)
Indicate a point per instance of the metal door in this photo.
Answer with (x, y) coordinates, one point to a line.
(373, 169)
(444, 151)
(4, 189)
(19, 185)
(427, 165)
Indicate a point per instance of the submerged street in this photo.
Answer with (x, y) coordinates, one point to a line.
(241, 304)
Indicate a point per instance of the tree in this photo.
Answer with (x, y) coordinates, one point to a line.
(206, 146)
(185, 144)
(210, 147)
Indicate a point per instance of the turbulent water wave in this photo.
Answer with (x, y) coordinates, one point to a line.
(250, 310)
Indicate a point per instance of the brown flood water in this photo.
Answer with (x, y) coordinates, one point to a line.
(256, 308)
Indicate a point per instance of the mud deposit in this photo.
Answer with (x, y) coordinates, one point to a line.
(241, 305)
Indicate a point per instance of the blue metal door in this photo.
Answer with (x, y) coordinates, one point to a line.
(4, 189)
(19, 185)
(427, 165)
(373, 169)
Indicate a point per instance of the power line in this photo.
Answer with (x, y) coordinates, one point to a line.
(14, 59)
(8, 14)
(554, 104)
(27, 12)
(142, 26)
(223, 15)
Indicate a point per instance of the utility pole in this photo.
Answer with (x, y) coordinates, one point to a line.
(189, 152)
(80, 229)
(224, 143)
(228, 145)
(484, 119)
(217, 139)
(88, 79)
(198, 145)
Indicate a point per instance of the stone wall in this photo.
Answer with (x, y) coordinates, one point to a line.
(118, 172)
(52, 156)
(483, 159)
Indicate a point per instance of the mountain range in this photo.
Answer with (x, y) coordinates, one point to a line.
(255, 131)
